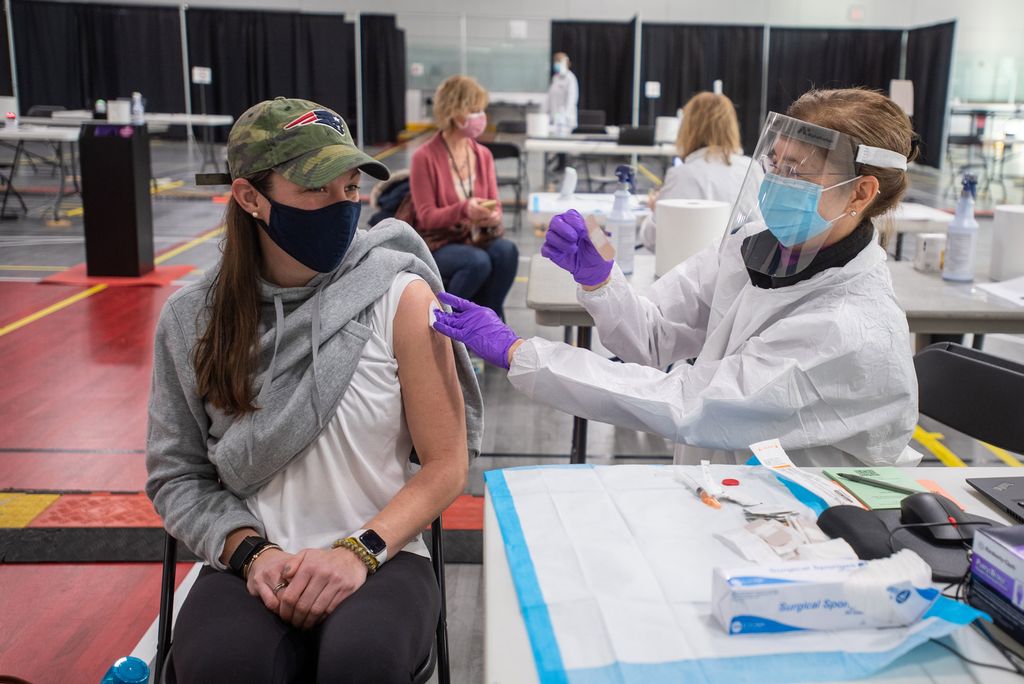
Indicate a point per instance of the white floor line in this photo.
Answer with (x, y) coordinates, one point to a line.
(146, 648)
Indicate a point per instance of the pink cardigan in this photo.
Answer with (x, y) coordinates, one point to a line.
(433, 189)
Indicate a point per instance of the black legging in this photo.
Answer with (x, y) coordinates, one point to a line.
(382, 633)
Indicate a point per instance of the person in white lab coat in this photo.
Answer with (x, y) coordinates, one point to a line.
(713, 165)
(563, 96)
(792, 320)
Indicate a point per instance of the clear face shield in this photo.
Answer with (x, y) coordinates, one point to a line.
(799, 184)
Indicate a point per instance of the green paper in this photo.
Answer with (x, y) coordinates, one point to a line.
(876, 498)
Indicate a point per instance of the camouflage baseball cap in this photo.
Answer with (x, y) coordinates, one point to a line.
(307, 143)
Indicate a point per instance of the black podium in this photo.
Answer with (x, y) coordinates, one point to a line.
(116, 203)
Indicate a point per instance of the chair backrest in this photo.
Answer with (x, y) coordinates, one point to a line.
(503, 150)
(976, 393)
(508, 126)
(590, 117)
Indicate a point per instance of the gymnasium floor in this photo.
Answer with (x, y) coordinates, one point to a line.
(76, 371)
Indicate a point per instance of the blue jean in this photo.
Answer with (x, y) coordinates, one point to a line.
(480, 275)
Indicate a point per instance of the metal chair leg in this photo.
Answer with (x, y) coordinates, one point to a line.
(163, 639)
(437, 560)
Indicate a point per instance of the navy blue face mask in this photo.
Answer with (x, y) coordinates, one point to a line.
(316, 238)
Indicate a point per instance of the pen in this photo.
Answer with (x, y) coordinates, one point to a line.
(878, 483)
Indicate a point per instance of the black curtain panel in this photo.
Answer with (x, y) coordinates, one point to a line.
(6, 84)
(602, 59)
(687, 59)
(801, 59)
(929, 60)
(72, 54)
(383, 47)
(257, 56)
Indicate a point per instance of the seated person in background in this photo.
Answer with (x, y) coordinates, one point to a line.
(713, 167)
(455, 193)
(290, 386)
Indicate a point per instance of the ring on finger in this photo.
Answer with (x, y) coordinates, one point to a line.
(279, 586)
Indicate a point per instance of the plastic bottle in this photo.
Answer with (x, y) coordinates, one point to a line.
(127, 670)
(962, 236)
(622, 222)
(99, 110)
(11, 120)
(138, 109)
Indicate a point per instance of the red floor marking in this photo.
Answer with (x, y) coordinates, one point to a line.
(89, 472)
(99, 510)
(68, 623)
(79, 379)
(158, 277)
(18, 300)
(465, 513)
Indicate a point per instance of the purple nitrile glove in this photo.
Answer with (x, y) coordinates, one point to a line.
(477, 327)
(568, 244)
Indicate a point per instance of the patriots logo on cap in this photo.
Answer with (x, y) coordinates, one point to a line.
(322, 117)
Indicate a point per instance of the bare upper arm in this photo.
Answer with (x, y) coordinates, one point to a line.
(431, 392)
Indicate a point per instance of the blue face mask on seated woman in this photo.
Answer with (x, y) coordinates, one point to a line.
(790, 208)
(316, 238)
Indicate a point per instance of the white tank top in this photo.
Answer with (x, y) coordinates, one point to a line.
(360, 460)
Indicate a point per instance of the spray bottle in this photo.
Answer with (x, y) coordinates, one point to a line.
(621, 224)
(962, 235)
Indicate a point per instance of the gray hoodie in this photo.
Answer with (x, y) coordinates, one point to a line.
(202, 462)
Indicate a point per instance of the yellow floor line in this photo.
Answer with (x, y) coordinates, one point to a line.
(1003, 455)
(21, 323)
(18, 509)
(384, 154)
(930, 441)
(522, 279)
(650, 176)
(77, 211)
(170, 254)
(21, 267)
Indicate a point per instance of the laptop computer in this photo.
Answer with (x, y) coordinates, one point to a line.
(636, 135)
(1007, 493)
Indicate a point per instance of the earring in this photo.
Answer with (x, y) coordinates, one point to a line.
(255, 214)
(853, 213)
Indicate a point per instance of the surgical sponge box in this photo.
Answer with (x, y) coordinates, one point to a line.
(998, 561)
(814, 595)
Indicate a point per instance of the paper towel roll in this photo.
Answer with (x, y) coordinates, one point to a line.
(537, 125)
(1007, 242)
(685, 227)
(666, 128)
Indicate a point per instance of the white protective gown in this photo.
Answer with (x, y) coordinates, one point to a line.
(824, 364)
(563, 99)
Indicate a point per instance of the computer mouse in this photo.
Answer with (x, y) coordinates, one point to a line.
(927, 507)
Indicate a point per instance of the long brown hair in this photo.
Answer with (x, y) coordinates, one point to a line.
(226, 354)
(709, 121)
(872, 119)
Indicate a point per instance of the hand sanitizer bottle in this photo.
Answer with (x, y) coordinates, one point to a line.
(962, 236)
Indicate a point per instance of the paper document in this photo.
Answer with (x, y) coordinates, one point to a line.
(1010, 291)
(875, 498)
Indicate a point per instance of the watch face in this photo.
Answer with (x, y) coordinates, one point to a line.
(373, 543)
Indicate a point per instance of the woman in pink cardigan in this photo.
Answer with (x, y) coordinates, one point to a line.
(455, 193)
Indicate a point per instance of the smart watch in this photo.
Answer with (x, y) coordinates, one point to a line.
(249, 547)
(373, 543)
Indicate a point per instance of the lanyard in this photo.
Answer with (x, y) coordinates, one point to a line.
(469, 167)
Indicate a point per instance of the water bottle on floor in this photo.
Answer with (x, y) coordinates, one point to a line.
(962, 236)
(127, 670)
(138, 109)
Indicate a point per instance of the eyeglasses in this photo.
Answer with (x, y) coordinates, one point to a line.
(791, 170)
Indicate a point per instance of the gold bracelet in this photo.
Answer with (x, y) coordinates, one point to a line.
(353, 545)
(252, 559)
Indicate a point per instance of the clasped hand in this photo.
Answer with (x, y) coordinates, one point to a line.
(309, 584)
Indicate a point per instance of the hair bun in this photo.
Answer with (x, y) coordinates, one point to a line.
(915, 146)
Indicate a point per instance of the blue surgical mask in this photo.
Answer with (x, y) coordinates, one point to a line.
(316, 238)
(560, 67)
(790, 208)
